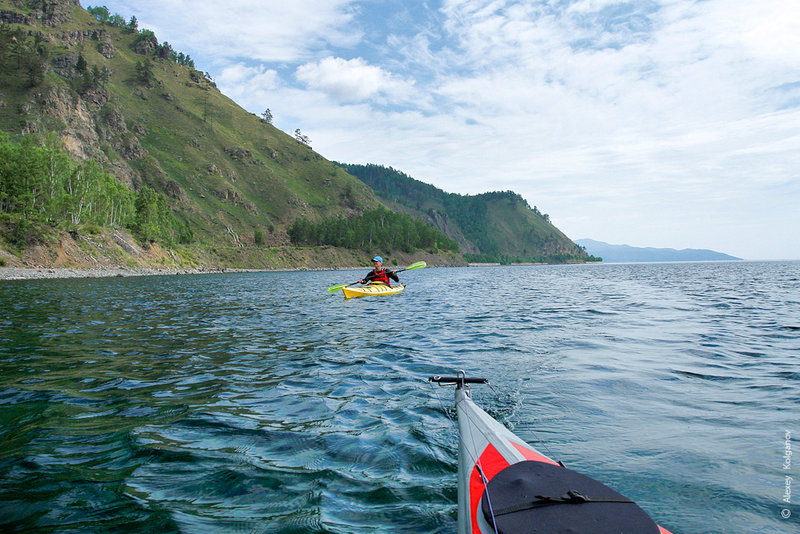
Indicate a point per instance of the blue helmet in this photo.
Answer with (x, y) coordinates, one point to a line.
(377, 258)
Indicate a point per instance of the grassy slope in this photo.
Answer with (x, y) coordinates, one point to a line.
(186, 128)
(281, 180)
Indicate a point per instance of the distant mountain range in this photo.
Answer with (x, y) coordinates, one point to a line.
(628, 254)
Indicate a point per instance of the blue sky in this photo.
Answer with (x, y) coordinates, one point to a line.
(665, 123)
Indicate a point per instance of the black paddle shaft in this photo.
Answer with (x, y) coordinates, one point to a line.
(459, 380)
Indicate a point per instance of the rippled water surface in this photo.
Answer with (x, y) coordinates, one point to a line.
(260, 403)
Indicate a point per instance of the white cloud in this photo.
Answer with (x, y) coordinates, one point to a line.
(768, 30)
(248, 79)
(350, 80)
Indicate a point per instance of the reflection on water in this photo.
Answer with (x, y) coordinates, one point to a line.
(259, 402)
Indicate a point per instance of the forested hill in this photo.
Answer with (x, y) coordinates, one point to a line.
(149, 150)
(489, 227)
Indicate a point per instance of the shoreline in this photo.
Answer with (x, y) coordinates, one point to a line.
(49, 273)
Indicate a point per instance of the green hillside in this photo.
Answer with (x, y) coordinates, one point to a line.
(114, 94)
(490, 227)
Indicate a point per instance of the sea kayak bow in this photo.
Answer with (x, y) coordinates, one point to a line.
(505, 486)
(371, 290)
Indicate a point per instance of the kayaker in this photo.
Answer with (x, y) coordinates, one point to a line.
(379, 274)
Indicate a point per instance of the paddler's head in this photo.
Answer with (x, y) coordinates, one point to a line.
(377, 263)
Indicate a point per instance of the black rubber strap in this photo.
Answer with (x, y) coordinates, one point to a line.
(571, 497)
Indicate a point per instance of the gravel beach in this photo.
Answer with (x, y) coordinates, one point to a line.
(30, 273)
(33, 273)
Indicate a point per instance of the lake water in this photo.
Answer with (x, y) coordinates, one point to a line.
(257, 402)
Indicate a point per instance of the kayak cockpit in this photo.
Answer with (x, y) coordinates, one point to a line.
(557, 499)
(372, 289)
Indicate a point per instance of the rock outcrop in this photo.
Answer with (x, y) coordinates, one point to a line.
(106, 49)
(145, 45)
(52, 12)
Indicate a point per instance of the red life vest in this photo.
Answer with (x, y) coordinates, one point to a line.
(380, 277)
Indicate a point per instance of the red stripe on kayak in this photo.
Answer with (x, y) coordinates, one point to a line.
(531, 454)
(664, 531)
(491, 462)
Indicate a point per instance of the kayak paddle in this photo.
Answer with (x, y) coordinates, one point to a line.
(337, 287)
(417, 265)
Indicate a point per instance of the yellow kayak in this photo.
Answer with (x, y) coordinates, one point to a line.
(371, 289)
